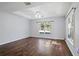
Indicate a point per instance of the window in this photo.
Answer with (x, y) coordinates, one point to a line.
(71, 26)
(45, 27)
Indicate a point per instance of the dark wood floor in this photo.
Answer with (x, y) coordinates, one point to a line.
(35, 47)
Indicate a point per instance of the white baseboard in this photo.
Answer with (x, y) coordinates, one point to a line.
(28, 37)
(12, 40)
(49, 38)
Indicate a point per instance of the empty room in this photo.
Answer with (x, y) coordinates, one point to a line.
(39, 29)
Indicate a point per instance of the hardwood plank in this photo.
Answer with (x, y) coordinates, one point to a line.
(35, 47)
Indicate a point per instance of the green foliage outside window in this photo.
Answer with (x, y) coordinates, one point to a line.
(46, 26)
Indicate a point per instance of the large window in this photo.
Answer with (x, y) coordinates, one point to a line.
(45, 27)
(71, 26)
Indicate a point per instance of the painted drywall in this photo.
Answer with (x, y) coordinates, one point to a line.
(77, 30)
(12, 27)
(74, 48)
(57, 32)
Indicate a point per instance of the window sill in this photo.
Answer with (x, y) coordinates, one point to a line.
(44, 32)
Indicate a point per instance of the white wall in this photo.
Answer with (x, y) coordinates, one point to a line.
(73, 48)
(12, 27)
(77, 29)
(58, 28)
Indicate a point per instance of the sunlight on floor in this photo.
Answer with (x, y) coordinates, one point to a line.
(49, 43)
